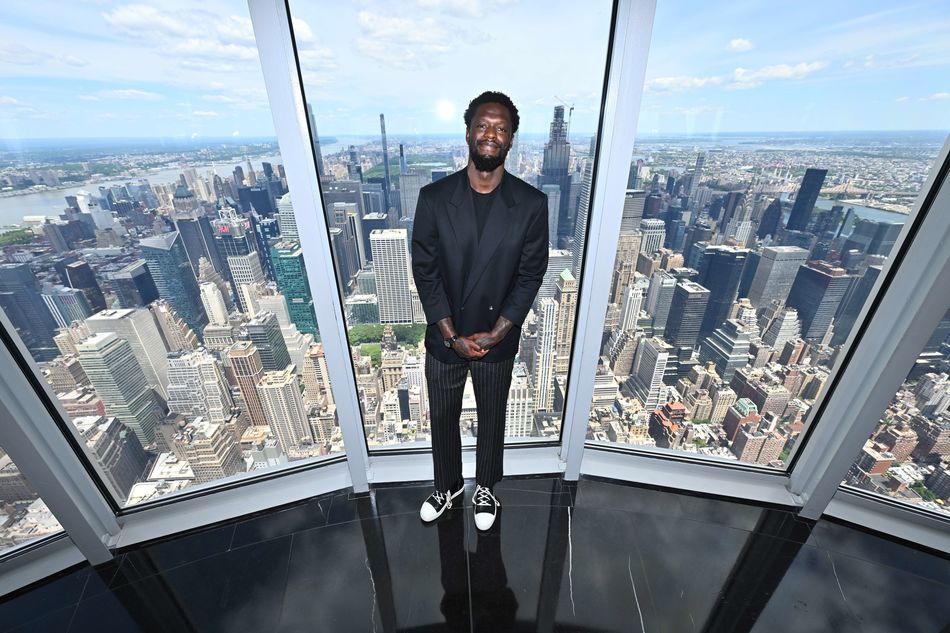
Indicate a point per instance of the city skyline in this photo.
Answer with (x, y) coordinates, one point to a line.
(704, 75)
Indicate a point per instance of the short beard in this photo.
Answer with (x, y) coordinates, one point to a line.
(487, 163)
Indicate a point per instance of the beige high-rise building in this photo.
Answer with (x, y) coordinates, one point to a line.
(565, 294)
(196, 386)
(213, 301)
(723, 397)
(284, 408)
(544, 356)
(209, 449)
(248, 370)
(519, 413)
(316, 376)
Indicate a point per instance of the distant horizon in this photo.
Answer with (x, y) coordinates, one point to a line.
(250, 139)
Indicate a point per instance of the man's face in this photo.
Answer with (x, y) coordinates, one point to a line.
(489, 137)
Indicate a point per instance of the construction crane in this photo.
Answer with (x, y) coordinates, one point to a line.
(570, 113)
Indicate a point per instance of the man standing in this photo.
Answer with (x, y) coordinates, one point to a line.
(479, 254)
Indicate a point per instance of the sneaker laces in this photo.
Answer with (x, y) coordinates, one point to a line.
(484, 497)
(440, 497)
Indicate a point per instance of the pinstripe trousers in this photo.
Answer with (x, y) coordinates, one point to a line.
(446, 382)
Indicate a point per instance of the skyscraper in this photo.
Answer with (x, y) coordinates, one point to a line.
(654, 234)
(248, 370)
(544, 355)
(554, 168)
(784, 328)
(315, 139)
(197, 235)
(196, 386)
(391, 261)
(210, 450)
(291, 272)
(771, 218)
(633, 202)
(213, 303)
(583, 206)
(134, 285)
(720, 271)
(695, 177)
(553, 192)
(238, 247)
(852, 304)
(805, 199)
(119, 380)
(284, 408)
(21, 301)
(649, 365)
(65, 304)
(316, 376)
(659, 299)
(775, 273)
(687, 308)
(117, 449)
(727, 347)
(174, 279)
(519, 413)
(286, 219)
(264, 331)
(138, 327)
(873, 238)
(386, 180)
(565, 294)
(80, 275)
(816, 293)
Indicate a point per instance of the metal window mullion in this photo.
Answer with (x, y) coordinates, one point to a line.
(30, 435)
(285, 94)
(912, 305)
(630, 45)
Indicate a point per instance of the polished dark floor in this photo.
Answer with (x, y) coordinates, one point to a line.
(594, 556)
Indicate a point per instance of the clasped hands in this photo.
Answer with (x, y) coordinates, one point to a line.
(474, 346)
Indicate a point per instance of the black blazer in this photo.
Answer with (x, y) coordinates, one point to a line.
(474, 281)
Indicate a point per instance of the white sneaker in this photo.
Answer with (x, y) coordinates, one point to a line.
(437, 503)
(486, 507)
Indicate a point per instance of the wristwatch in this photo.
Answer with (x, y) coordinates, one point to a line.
(449, 342)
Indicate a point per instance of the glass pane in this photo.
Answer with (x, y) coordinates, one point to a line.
(25, 517)
(758, 216)
(906, 457)
(152, 264)
(387, 91)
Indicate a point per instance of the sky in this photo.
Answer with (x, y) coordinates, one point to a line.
(101, 68)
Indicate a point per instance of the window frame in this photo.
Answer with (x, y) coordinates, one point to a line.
(908, 302)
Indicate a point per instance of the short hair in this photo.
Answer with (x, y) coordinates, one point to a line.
(491, 96)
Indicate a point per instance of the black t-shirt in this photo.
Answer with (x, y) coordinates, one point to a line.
(482, 202)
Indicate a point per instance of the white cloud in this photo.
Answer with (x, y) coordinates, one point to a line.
(746, 78)
(236, 29)
(220, 98)
(21, 55)
(9, 101)
(204, 113)
(902, 99)
(739, 78)
(937, 95)
(302, 31)
(211, 50)
(739, 45)
(88, 98)
(400, 42)
(131, 94)
(681, 82)
(139, 20)
(236, 133)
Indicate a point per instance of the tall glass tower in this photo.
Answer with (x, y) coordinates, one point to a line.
(167, 261)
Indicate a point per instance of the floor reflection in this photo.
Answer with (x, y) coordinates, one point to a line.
(595, 556)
